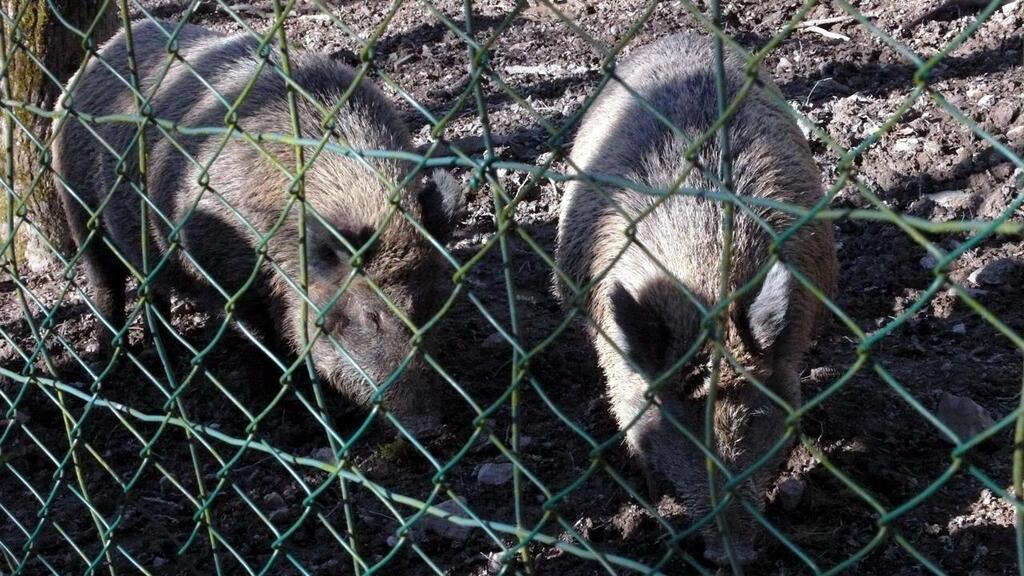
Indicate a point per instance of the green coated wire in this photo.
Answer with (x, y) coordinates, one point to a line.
(527, 536)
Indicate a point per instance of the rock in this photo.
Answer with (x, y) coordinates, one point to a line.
(324, 454)
(959, 328)
(928, 262)
(166, 486)
(495, 474)
(952, 199)
(963, 416)
(1003, 113)
(274, 501)
(430, 525)
(494, 342)
(791, 492)
(997, 273)
(278, 516)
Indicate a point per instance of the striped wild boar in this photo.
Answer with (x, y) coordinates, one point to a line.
(213, 199)
(635, 300)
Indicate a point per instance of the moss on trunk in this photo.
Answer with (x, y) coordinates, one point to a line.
(39, 39)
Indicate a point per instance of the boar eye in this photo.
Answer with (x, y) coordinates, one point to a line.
(324, 256)
(696, 376)
(359, 238)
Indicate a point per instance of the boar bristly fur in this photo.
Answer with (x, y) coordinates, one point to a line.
(213, 199)
(641, 322)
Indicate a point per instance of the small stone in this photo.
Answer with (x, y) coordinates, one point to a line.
(430, 525)
(963, 416)
(278, 516)
(392, 540)
(20, 417)
(952, 199)
(158, 561)
(166, 486)
(1002, 114)
(324, 455)
(274, 501)
(791, 492)
(494, 342)
(494, 474)
(986, 101)
(997, 273)
(905, 145)
(928, 262)
(959, 329)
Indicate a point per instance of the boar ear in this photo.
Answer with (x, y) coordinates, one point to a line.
(441, 200)
(646, 335)
(766, 315)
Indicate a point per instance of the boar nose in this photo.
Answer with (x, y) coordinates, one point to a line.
(364, 313)
(351, 318)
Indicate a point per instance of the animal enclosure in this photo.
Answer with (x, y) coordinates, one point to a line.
(201, 447)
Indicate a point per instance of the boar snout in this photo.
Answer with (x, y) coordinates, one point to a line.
(370, 346)
(363, 316)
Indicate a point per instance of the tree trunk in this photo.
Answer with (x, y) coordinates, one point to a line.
(36, 36)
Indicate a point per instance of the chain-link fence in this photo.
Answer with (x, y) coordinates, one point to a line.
(238, 299)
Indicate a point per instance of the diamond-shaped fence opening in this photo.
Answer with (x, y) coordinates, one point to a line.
(534, 286)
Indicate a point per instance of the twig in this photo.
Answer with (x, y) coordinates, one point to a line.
(827, 34)
(822, 21)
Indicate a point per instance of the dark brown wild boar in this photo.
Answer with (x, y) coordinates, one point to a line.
(214, 201)
(636, 301)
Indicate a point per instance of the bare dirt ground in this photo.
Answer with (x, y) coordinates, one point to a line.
(929, 165)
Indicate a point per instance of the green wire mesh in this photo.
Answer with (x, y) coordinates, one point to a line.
(230, 460)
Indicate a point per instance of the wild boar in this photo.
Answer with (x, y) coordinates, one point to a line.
(635, 304)
(218, 204)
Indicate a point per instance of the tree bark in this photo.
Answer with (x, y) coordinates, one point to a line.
(35, 37)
